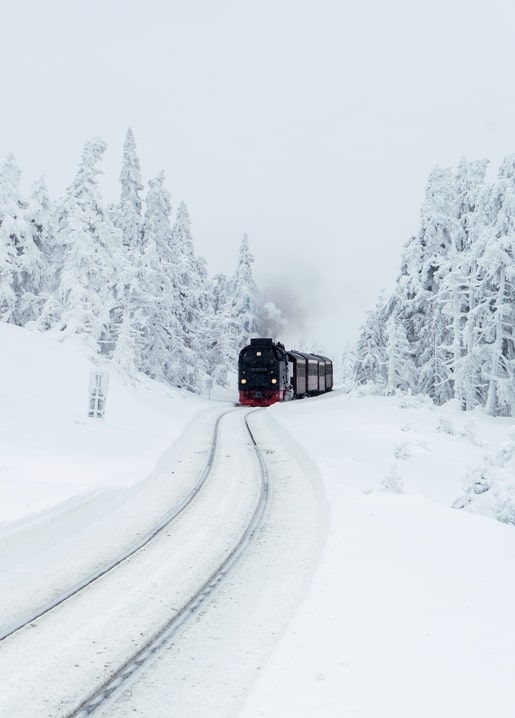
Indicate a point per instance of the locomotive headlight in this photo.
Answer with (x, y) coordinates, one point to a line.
(243, 381)
(274, 381)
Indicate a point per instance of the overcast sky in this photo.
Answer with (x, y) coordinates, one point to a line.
(310, 125)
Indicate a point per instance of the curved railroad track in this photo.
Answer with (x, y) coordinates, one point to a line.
(168, 631)
(60, 629)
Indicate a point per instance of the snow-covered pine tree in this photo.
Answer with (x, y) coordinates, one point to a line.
(440, 232)
(22, 263)
(469, 182)
(370, 353)
(236, 315)
(494, 314)
(459, 285)
(86, 253)
(128, 308)
(9, 181)
(127, 217)
(127, 214)
(161, 351)
(192, 284)
(219, 342)
(39, 217)
(438, 226)
(344, 369)
(455, 296)
(417, 300)
(245, 304)
(400, 368)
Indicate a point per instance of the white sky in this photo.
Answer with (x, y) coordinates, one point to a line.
(312, 126)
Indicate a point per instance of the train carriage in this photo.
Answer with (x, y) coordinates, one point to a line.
(298, 373)
(312, 374)
(328, 373)
(321, 374)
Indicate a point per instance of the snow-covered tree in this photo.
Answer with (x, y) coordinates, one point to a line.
(37, 273)
(86, 256)
(127, 217)
(453, 308)
(400, 369)
(370, 353)
(127, 214)
(219, 344)
(469, 182)
(245, 304)
(344, 369)
(494, 314)
(22, 264)
(9, 181)
(235, 318)
(123, 278)
(162, 350)
(191, 281)
(430, 330)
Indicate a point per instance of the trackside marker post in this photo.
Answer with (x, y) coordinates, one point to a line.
(98, 385)
(209, 386)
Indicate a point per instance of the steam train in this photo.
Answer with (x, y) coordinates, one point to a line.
(268, 373)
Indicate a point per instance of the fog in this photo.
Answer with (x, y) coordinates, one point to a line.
(312, 127)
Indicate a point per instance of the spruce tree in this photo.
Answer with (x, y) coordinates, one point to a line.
(162, 350)
(86, 253)
(23, 266)
(37, 271)
(220, 342)
(245, 304)
(371, 359)
(191, 280)
(494, 314)
(127, 217)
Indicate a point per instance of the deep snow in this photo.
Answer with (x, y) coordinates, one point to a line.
(409, 608)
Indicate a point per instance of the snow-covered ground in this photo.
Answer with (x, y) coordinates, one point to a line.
(409, 603)
(410, 610)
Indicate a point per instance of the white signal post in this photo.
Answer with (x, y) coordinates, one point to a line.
(98, 385)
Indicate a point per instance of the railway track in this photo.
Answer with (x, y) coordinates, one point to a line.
(167, 520)
(51, 624)
(167, 633)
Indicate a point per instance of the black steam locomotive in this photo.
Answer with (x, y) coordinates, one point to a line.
(268, 373)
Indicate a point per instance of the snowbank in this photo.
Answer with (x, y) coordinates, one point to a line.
(410, 610)
(51, 451)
